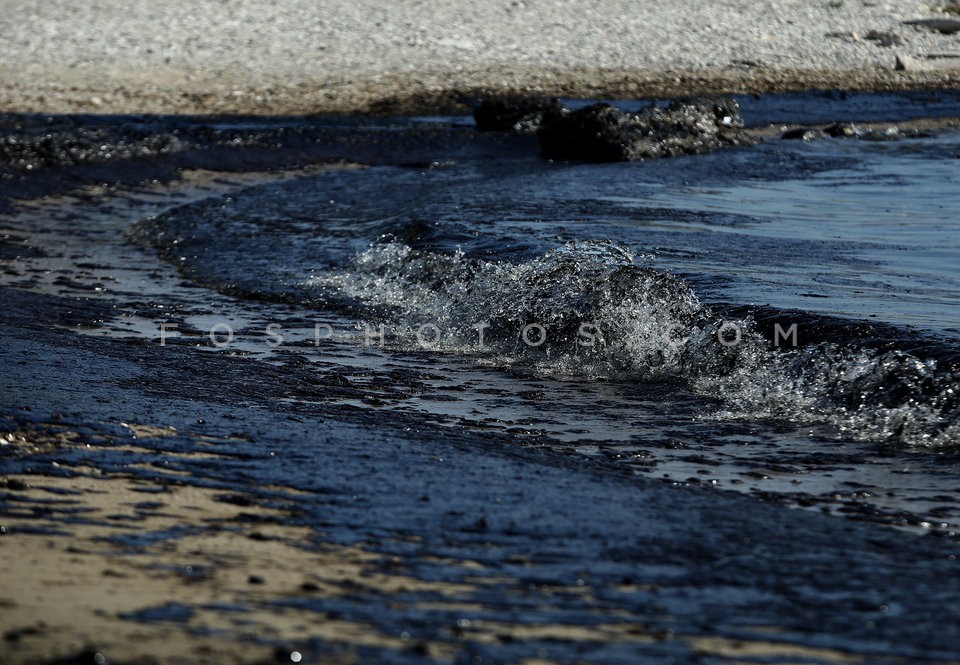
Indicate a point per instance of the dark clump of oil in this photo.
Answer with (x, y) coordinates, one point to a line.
(519, 114)
(603, 133)
(26, 151)
(47, 155)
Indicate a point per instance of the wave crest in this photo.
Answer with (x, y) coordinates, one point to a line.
(592, 309)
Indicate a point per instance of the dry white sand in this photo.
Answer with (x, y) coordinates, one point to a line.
(317, 55)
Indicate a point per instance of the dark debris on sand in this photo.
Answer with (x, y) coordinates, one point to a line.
(604, 133)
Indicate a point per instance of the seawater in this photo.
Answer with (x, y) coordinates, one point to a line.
(674, 266)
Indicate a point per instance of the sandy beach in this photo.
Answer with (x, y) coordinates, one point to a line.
(308, 57)
(170, 501)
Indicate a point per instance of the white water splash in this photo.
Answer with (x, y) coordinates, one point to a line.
(641, 325)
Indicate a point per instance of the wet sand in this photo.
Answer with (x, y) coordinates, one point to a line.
(151, 570)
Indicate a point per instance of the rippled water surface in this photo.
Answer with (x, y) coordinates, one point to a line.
(889, 216)
(680, 269)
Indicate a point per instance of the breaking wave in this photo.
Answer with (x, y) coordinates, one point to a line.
(592, 309)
